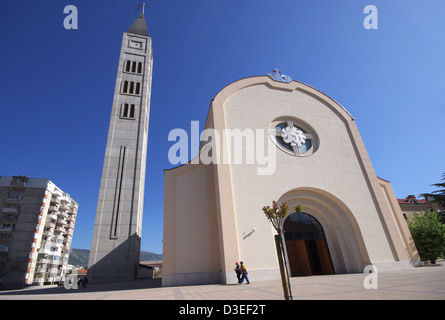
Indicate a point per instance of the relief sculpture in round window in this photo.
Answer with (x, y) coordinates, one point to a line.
(294, 137)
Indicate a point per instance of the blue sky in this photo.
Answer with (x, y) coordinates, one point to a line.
(56, 85)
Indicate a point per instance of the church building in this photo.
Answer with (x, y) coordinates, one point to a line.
(271, 138)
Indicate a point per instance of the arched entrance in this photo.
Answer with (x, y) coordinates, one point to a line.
(306, 246)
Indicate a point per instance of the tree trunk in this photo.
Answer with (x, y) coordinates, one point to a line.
(283, 272)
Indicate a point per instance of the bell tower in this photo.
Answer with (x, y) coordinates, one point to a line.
(115, 245)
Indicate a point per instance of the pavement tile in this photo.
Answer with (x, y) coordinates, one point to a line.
(415, 284)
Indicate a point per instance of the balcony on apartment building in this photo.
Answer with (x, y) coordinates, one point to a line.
(10, 210)
(64, 206)
(52, 216)
(50, 249)
(9, 217)
(54, 208)
(50, 226)
(60, 228)
(55, 200)
(57, 193)
(62, 221)
(7, 227)
(14, 199)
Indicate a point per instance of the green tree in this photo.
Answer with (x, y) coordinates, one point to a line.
(438, 197)
(428, 234)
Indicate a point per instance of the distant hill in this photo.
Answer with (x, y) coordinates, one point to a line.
(79, 257)
(149, 256)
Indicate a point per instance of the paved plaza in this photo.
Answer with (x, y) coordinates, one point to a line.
(425, 283)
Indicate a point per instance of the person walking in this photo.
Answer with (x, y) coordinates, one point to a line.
(244, 273)
(84, 282)
(238, 271)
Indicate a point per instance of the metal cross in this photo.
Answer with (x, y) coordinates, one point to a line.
(143, 6)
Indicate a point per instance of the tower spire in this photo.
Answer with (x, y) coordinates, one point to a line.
(115, 245)
(139, 26)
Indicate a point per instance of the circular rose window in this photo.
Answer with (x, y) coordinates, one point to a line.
(294, 137)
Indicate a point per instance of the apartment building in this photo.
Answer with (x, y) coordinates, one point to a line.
(36, 228)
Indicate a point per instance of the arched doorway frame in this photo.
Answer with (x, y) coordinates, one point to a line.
(343, 236)
(307, 250)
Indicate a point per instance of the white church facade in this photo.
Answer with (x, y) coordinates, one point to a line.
(311, 155)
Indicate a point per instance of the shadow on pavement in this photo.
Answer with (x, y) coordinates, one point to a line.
(42, 290)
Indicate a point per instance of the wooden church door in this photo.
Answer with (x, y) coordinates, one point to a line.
(306, 246)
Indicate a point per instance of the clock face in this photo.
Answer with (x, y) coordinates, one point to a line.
(293, 137)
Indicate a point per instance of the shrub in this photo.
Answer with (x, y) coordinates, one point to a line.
(428, 235)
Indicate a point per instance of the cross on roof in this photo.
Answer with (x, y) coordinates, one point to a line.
(143, 6)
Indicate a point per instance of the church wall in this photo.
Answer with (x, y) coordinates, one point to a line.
(401, 229)
(334, 168)
(190, 229)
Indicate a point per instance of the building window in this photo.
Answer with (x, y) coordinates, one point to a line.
(131, 87)
(138, 88)
(294, 137)
(128, 111)
(133, 67)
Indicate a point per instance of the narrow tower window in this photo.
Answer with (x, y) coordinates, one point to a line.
(128, 111)
(132, 66)
(125, 110)
(118, 192)
(125, 87)
(131, 87)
